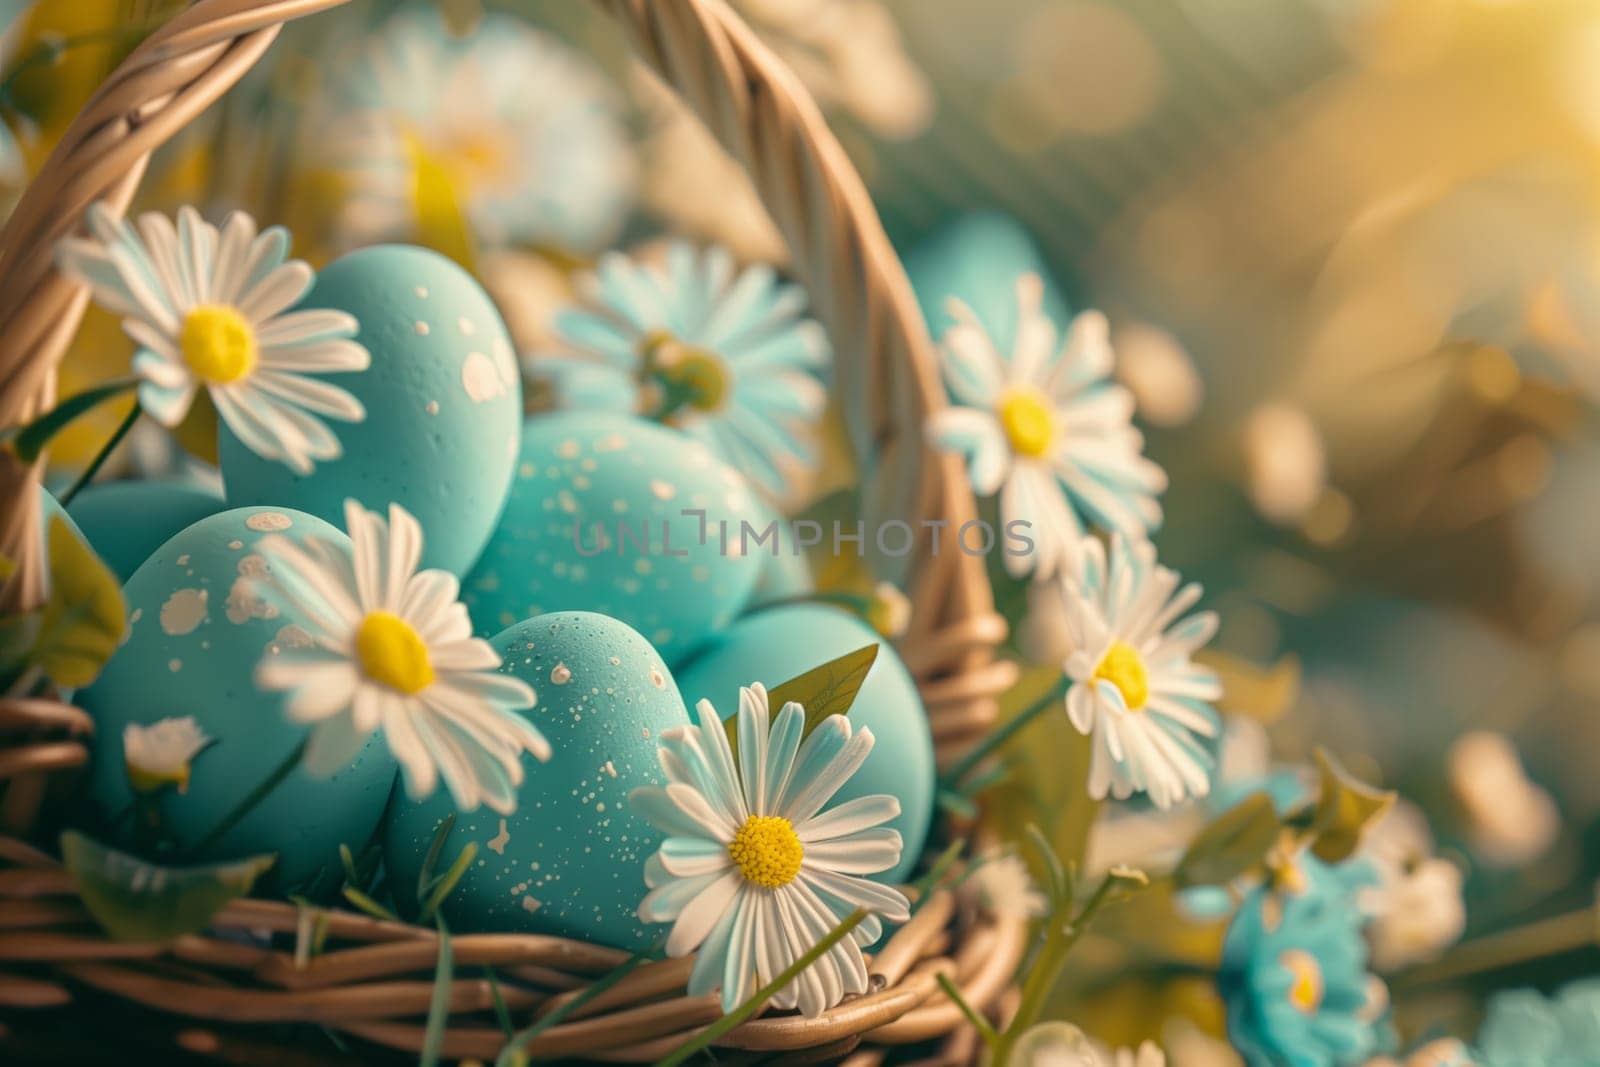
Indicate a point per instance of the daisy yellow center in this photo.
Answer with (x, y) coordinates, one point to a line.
(1028, 421)
(218, 344)
(1123, 668)
(392, 653)
(1305, 986)
(148, 780)
(695, 378)
(767, 851)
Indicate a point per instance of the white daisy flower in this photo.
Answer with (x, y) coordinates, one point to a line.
(695, 342)
(1417, 907)
(159, 755)
(501, 122)
(392, 647)
(753, 872)
(1061, 1044)
(889, 610)
(1135, 689)
(1000, 885)
(211, 310)
(1046, 429)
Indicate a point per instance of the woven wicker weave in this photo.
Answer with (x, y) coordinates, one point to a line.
(374, 979)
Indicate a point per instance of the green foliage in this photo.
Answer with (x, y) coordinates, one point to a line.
(138, 901)
(439, 1003)
(823, 691)
(1345, 808)
(1231, 844)
(84, 618)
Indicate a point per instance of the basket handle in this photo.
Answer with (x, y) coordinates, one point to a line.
(759, 112)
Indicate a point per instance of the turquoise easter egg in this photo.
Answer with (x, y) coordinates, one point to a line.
(443, 401)
(776, 644)
(977, 259)
(126, 521)
(570, 860)
(198, 626)
(614, 514)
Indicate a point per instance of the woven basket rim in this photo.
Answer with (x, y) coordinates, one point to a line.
(366, 986)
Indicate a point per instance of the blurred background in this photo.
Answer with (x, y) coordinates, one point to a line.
(1348, 249)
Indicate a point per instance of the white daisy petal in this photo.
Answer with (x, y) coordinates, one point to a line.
(459, 722)
(743, 330)
(158, 276)
(785, 875)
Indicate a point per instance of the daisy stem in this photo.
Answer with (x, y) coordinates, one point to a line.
(100, 457)
(29, 441)
(704, 1039)
(990, 1036)
(248, 804)
(1537, 940)
(1059, 941)
(953, 777)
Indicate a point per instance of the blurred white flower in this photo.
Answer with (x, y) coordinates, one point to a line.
(1000, 886)
(849, 54)
(1287, 466)
(159, 755)
(504, 123)
(1060, 1044)
(1157, 370)
(889, 610)
(1417, 908)
(1511, 819)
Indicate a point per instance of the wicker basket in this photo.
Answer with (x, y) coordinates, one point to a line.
(374, 979)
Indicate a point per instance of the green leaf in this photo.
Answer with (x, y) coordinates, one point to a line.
(823, 691)
(439, 1003)
(84, 618)
(31, 439)
(1231, 844)
(138, 901)
(1345, 808)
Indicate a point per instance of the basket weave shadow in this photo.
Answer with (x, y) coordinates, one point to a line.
(374, 979)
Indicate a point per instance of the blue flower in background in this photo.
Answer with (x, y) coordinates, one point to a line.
(694, 342)
(1294, 977)
(1524, 1028)
(503, 123)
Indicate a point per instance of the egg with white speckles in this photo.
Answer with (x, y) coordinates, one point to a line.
(126, 521)
(199, 624)
(629, 518)
(443, 401)
(570, 860)
(776, 644)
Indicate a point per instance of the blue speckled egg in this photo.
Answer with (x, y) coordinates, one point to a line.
(126, 521)
(443, 399)
(598, 521)
(977, 258)
(570, 860)
(776, 644)
(198, 627)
